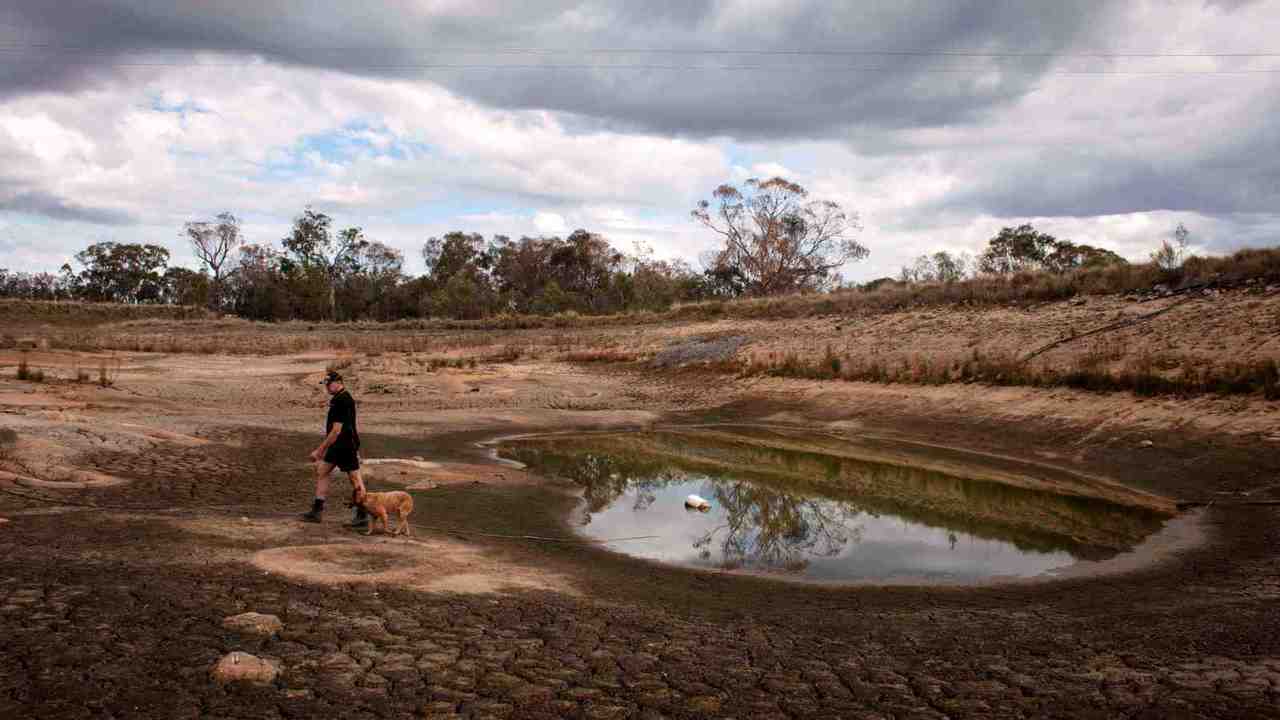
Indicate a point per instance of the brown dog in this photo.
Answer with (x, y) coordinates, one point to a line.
(379, 503)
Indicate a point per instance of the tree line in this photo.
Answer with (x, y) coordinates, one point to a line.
(772, 239)
(319, 273)
(1015, 250)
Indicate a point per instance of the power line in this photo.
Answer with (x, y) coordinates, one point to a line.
(675, 51)
(689, 68)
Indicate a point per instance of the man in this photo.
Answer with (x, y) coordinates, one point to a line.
(340, 449)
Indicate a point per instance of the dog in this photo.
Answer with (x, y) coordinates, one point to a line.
(379, 503)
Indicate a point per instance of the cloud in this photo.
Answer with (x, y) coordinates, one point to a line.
(481, 50)
(549, 223)
(264, 142)
(39, 203)
(155, 114)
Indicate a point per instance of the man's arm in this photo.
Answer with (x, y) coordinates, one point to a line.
(329, 440)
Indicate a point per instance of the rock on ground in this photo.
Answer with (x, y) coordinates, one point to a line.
(252, 623)
(243, 667)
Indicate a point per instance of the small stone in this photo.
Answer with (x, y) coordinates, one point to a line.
(243, 667)
(704, 704)
(501, 681)
(1146, 444)
(252, 623)
(605, 712)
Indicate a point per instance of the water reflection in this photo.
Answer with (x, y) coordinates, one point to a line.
(823, 516)
(764, 528)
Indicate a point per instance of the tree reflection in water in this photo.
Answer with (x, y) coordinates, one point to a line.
(766, 529)
(763, 528)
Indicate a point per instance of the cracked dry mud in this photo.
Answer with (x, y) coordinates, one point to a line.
(119, 613)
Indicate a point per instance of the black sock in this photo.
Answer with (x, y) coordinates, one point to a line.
(317, 504)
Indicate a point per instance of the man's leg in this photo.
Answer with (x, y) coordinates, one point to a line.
(323, 471)
(360, 518)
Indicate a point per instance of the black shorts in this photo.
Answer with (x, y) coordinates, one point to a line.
(346, 459)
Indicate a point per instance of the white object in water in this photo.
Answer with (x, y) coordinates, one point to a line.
(697, 503)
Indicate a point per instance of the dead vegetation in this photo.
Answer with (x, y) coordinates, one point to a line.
(108, 370)
(27, 373)
(603, 355)
(72, 313)
(1255, 268)
(1097, 371)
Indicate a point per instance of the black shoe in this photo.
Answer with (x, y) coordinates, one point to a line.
(360, 521)
(315, 513)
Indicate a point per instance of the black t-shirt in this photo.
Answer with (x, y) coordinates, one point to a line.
(342, 409)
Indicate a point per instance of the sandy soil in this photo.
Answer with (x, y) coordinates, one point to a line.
(112, 596)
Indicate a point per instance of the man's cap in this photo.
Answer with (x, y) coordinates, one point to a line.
(331, 377)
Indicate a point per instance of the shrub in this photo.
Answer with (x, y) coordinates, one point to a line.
(8, 439)
(508, 354)
(107, 371)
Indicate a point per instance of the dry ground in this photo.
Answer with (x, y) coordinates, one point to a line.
(196, 465)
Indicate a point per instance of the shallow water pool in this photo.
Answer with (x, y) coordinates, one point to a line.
(819, 515)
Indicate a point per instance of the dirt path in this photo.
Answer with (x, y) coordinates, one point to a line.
(118, 613)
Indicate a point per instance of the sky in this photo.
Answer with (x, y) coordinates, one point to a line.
(937, 122)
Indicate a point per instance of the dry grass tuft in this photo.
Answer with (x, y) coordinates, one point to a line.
(609, 355)
(508, 354)
(28, 373)
(1142, 375)
(108, 370)
(8, 439)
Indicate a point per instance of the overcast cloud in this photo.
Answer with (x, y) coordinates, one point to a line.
(122, 120)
